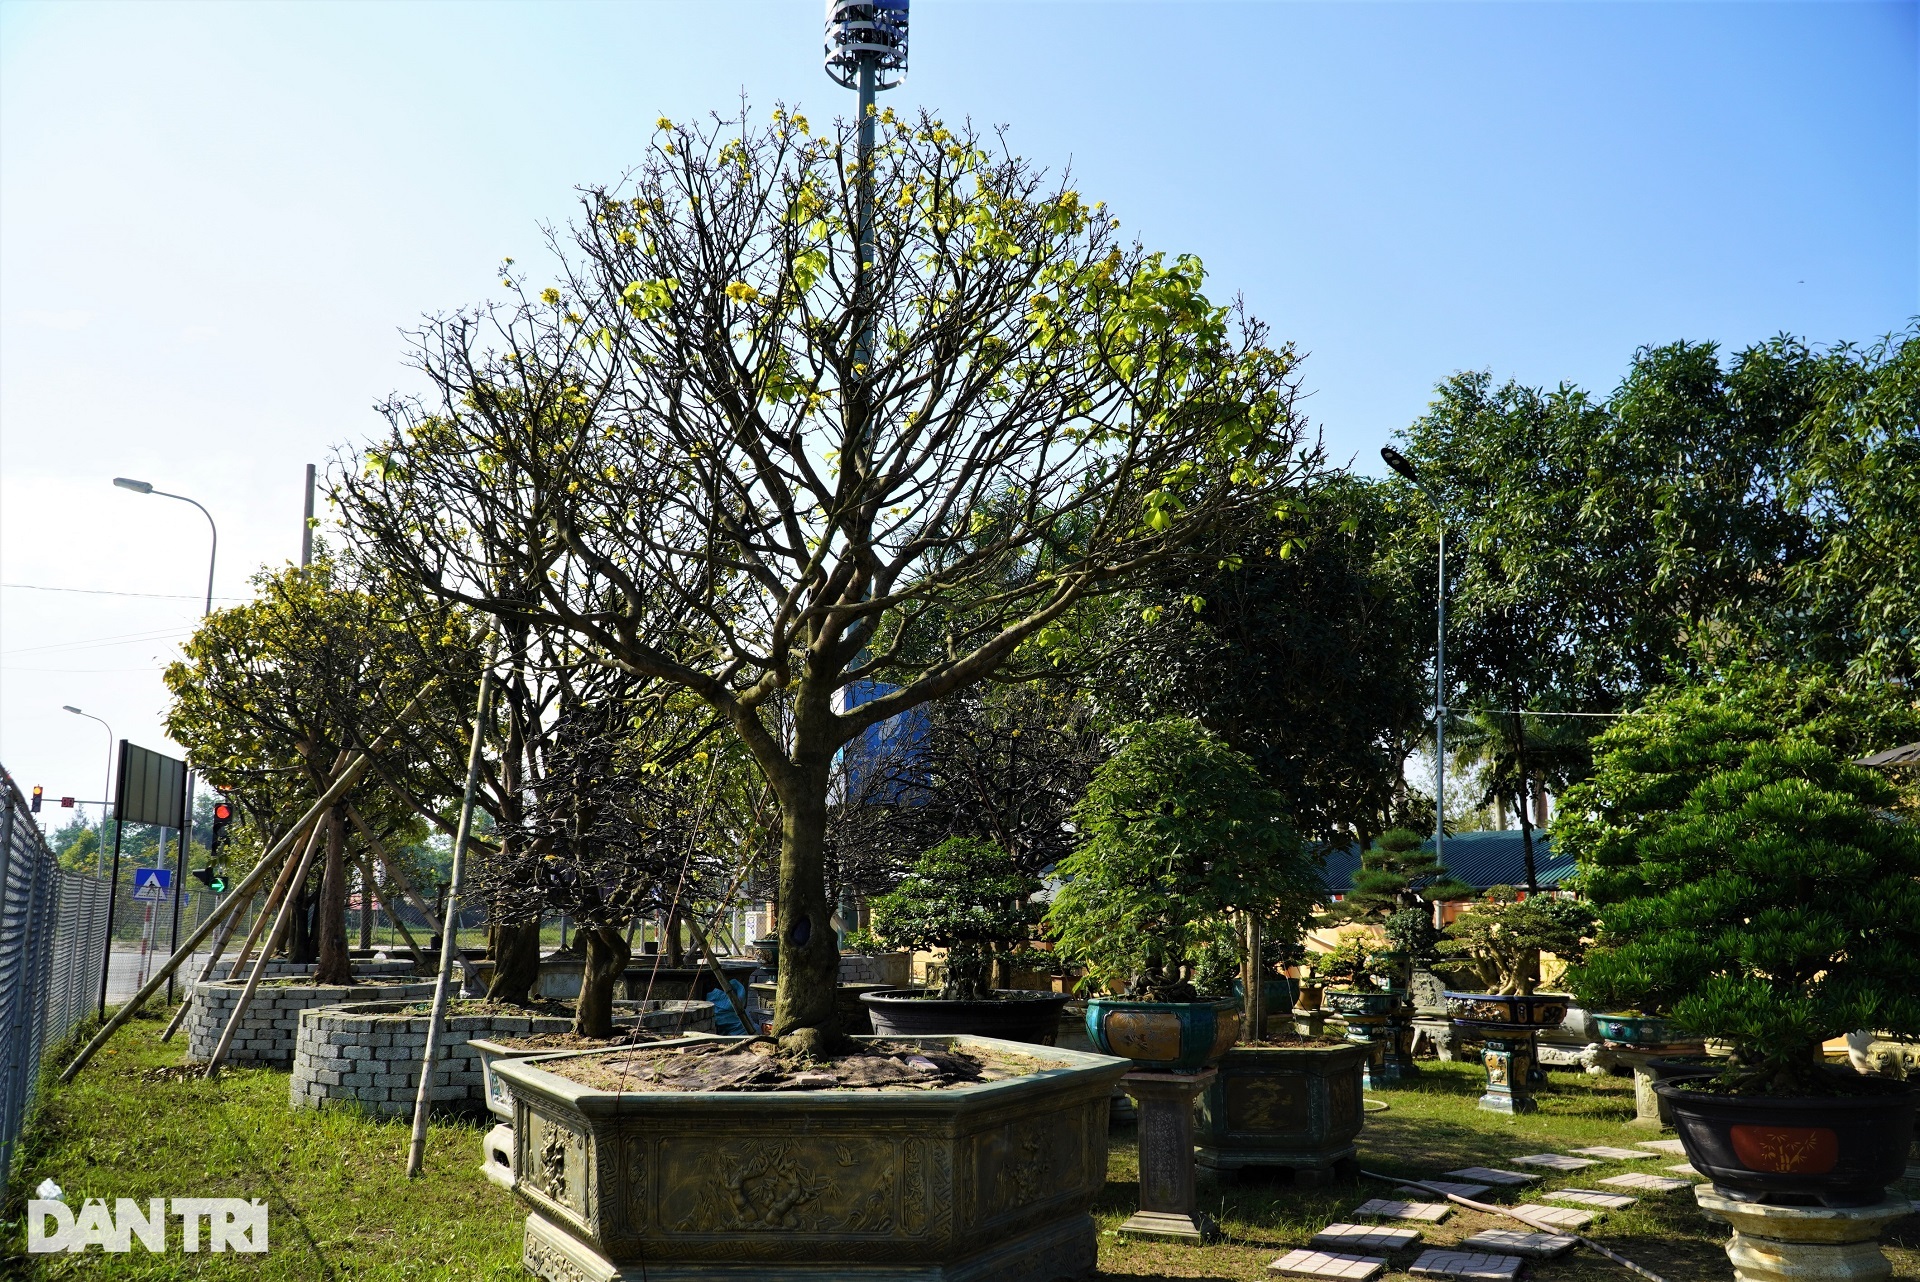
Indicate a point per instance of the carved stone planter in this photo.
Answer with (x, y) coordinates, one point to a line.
(985, 1183)
(1282, 1106)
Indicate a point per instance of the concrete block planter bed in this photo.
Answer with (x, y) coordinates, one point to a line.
(270, 1029)
(368, 1053)
(969, 1182)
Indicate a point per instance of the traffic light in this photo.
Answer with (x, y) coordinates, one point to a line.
(37, 790)
(215, 881)
(222, 816)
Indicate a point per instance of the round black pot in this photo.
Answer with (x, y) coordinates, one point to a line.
(1017, 1016)
(1839, 1150)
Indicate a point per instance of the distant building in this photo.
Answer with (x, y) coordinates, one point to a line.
(1481, 859)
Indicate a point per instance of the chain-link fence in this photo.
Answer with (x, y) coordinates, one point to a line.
(53, 931)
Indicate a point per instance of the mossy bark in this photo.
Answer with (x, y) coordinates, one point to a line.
(516, 961)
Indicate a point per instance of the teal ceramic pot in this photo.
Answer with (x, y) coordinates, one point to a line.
(1358, 1001)
(1641, 1030)
(1494, 1011)
(1281, 994)
(1166, 1037)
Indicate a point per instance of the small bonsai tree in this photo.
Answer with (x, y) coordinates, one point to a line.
(966, 895)
(1179, 832)
(1504, 935)
(1751, 883)
(1355, 959)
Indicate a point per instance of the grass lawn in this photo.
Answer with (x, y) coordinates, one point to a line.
(342, 1207)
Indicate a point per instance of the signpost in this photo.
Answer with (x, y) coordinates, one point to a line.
(152, 789)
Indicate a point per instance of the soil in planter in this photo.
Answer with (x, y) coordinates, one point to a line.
(760, 1066)
(1291, 1043)
(575, 1042)
(480, 1006)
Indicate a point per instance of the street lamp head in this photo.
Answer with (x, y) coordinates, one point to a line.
(1399, 463)
(138, 487)
(68, 707)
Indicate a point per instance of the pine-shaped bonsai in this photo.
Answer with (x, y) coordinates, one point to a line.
(1398, 882)
(1504, 935)
(968, 896)
(1751, 882)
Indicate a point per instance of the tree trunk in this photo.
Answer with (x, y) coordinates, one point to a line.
(676, 952)
(804, 1017)
(300, 942)
(366, 912)
(607, 958)
(516, 961)
(331, 926)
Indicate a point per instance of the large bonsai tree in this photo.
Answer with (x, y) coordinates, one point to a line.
(765, 439)
(1398, 882)
(1179, 833)
(1750, 882)
(968, 896)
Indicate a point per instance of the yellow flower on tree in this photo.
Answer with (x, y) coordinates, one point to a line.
(741, 292)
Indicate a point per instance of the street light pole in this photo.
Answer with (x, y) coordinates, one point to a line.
(1400, 463)
(146, 487)
(106, 789)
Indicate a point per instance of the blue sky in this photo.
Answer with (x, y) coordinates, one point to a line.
(215, 219)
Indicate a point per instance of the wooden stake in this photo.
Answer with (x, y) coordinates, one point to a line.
(213, 959)
(281, 921)
(270, 909)
(341, 784)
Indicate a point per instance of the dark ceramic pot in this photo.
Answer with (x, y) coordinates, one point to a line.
(1280, 994)
(1840, 1150)
(1358, 1001)
(679, 983)
(856, 1020)
(1493, 1011)
(1015, 1016)
(1165, 1037)
(768, 951)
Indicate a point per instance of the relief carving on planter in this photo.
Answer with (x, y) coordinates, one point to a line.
(1276, 1102)
(822, 1186)
(1018, 1166)
(543, 1261)
(1484, 1012)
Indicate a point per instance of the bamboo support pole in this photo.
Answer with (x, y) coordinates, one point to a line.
(206, 971)
(449, 930)
(400, 879)
(366, 870)
(341, 784)
(281, 921)
(281, 889)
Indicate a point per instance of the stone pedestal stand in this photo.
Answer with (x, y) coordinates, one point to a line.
(1508, 1056)
(1309, 1023)
(1804, 1243)
(1387, 1061)
(1650, 1112)
(1169, 1205)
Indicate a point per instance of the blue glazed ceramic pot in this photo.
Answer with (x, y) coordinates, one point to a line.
(1167, 1037)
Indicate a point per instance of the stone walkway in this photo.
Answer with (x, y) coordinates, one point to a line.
(1364, 1237)
(1594, 1197)
(1646, 1183)
(1467, 1266)
(1494, 1175)
(1429, 1212)
(1325, 1264)
(1534, 1246)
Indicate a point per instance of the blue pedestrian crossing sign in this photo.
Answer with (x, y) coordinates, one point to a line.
(151, 883)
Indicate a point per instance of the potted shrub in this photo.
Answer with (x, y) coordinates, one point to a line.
(966, 895)
(1179, 833)
(1501, 939)
(1357, 975)
(1752, 884)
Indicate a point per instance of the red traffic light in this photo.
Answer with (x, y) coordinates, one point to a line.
(223, 812)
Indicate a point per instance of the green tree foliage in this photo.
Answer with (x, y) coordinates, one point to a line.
(1179, 831)
(968, 896)
(1296, 641)
(724, 453)
(272, 694)
(1860, 481)
(1504, 934)
(1749, 880)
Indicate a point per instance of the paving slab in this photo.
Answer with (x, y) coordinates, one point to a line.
(1449, 1186)
(1613, 1154)
(1555, 1162)
(1426, 1212)
(1467, 1266)
(1494, 1175)
(1594, 1197)
(1558, 1217)
(1646, 1183)
(1364, 1237)
(1686, 1168)
(1664, 1146)
(1535, 1246)
(1306, 1263)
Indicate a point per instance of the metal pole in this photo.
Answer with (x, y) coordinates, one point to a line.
(113, 886)
(306, 525)
(449, 929)
(180, 868)
(1440, 700)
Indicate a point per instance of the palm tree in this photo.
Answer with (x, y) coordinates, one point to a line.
(1520, 758)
